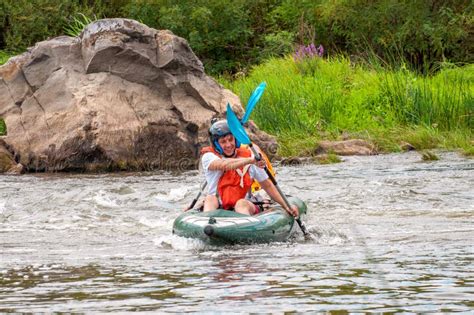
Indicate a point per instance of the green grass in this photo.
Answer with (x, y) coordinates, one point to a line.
(325, 98)
(469, 151)
(330, 158)
(4, 56)
(3, 127)
(77, 24)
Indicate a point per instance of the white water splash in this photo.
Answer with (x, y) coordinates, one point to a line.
(179, 243)
(175, 194)
(156, 223)
(103, 199)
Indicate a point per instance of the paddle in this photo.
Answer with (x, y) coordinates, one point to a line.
(193, 203)
(253, 99)
(239, 133)
(257, 93)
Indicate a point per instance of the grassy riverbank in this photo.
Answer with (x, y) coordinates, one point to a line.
(316, 98)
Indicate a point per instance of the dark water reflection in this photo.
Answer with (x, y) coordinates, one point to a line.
(396, 236)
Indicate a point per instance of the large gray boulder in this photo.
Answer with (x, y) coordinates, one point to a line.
(119, 96)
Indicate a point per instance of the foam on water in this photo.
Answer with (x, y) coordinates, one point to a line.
(178, 243)
(104, 199)
(393, 234)
(154, 223)
(174, 194)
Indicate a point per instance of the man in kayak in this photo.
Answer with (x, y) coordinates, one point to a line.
(229, 170)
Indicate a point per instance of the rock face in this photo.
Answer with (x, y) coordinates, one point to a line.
(120, 96)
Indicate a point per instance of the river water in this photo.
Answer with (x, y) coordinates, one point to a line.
(394, 235)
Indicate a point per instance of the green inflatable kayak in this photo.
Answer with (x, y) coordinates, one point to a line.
(228, 227)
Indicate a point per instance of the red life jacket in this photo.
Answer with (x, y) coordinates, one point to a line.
(233, 184)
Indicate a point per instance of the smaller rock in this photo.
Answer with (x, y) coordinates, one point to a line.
(16, 170)
(290, 161)
(405, 146)
(347, 147)
(319, 159)
(8, 164)
(308, 160)
(429, 156)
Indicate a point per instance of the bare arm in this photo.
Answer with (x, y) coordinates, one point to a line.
(272, 191)
(230, 164)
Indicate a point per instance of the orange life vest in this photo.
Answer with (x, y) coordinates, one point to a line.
(233, 184)
(256, 185)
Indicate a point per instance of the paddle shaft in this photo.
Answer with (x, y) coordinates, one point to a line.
(258, 157)
(193, 203)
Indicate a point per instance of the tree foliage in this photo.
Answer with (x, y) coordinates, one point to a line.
(232, 35)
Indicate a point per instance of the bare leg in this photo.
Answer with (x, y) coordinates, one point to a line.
(245, 207)
(210, 203)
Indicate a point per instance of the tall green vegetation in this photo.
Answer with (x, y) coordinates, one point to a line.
(424, 33)
(445, 100)
(315, 97)
(25, 22)
(232, 35)
(219, 31)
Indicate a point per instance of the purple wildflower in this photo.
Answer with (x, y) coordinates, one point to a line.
(320, 50)
(309, 51)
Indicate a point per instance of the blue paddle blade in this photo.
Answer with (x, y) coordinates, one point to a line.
(236, 127)
(254, 98)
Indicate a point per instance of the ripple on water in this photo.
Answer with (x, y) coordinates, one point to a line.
(394, 235)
